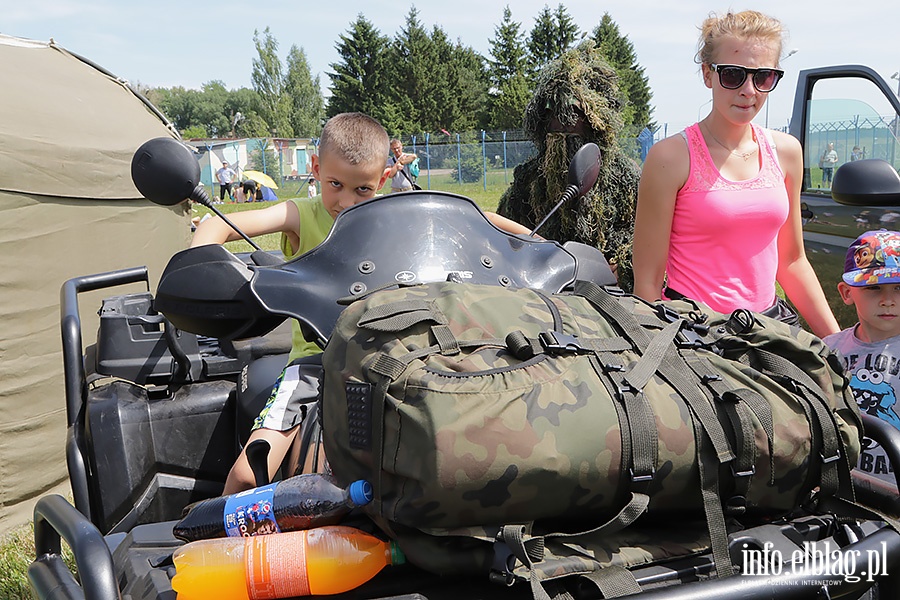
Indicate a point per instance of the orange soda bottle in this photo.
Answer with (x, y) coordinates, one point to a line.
(326, 560)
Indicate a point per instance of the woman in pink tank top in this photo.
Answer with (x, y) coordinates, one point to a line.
(718, 213)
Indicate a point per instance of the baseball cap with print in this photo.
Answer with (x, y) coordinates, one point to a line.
(873, 259)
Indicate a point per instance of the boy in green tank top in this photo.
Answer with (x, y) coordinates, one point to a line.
(350, 168)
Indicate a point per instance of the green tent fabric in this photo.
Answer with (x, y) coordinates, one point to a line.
(68, 208)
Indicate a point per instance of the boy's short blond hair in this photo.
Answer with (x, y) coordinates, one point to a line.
(356, 138)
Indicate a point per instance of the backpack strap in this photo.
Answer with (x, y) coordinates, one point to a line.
(740, 416)
(671, 365)
(836, 467)
(611, 581)
(401, 315)
(713, 447)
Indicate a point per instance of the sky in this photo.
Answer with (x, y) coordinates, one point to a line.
(190, 42)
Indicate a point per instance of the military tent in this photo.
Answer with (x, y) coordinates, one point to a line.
(68, 130)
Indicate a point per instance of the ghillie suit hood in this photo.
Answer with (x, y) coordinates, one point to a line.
(577, 100)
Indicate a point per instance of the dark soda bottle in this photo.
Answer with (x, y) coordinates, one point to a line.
(300, 502)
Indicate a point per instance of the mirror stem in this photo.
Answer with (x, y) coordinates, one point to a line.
(199, 195)
(570, 193)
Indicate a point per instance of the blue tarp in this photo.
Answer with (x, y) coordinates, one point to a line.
(268, 194)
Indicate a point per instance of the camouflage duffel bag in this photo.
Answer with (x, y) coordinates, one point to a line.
(469, 405)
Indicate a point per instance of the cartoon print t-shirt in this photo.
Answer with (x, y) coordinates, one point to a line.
(874, 371)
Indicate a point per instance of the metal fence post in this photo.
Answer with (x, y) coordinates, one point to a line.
(505, 173)
(458, 161)
(428, 158)
(484, 159)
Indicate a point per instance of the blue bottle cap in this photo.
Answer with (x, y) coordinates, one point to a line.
(361, 492)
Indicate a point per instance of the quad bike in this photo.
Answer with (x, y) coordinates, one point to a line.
(157, 415)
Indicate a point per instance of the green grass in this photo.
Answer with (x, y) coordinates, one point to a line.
(16, 553)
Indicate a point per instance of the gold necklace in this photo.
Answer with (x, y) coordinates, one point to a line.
(743, 155)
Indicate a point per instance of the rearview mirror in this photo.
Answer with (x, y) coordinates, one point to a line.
(585, 168)
(867, 182)
(165, 171)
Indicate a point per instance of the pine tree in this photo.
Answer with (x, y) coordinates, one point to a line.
(414, 72)
(304, 92)
(508, 107)
(358, 81)
(508, 69)
(553, 33)
(268, 81)
(468, 83)
(508, 53)
(619, 51)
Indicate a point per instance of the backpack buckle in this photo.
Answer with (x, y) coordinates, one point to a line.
(666, 313)
(555, 342)
(641, 478)
(748, 473)
(830, 459)
(503, 563)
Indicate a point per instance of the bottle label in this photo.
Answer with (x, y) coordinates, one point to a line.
(251, 512)
(276, 566)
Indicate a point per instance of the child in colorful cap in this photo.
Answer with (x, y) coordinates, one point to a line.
(871, 348)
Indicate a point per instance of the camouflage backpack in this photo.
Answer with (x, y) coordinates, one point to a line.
(533, 436)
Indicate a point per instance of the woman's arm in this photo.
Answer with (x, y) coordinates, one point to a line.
(795, 273)
(665, 172)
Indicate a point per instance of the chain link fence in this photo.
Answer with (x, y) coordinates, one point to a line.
(876, 137)
(464, 158)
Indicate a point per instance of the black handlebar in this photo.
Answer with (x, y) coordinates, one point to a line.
(54, 517)
(74, 374)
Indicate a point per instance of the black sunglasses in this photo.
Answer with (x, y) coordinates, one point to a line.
(731, 77)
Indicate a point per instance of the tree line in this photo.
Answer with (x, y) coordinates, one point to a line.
(418, 81)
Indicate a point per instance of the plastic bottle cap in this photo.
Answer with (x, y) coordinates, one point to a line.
(361, 492)
(397, 556)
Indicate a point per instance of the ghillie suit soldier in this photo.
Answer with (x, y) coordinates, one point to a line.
(577, 100)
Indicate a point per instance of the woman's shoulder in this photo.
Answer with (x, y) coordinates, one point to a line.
(670, 153)
(671, 148)
(783, 141)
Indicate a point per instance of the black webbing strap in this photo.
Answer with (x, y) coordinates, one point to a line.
(604, 363)
(401, 315)
(743, 467)
(672, 368)
(830, 450)
(763, 411)
(712, 504)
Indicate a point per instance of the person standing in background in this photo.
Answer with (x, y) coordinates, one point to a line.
(829, 160)
(225, 176)
(404, 168)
